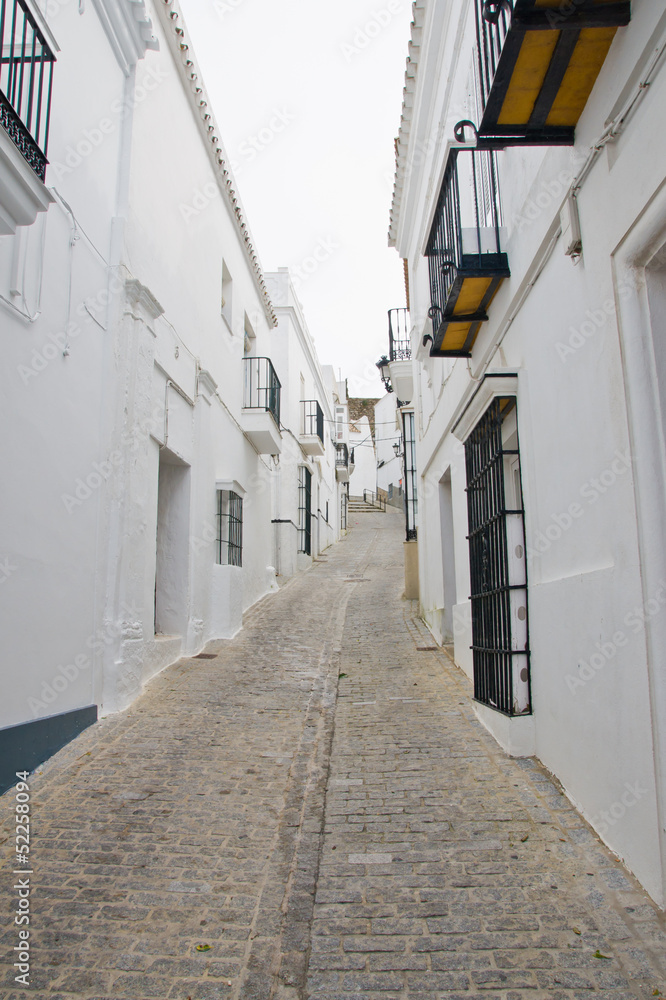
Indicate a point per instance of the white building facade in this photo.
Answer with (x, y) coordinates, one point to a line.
(529, 205)
(143, 469)
(308, 494)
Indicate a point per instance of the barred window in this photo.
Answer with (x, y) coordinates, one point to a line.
(304, 509)
(229, 543)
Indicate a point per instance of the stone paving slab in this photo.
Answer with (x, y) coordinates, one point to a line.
(319, 805)
(448, 869)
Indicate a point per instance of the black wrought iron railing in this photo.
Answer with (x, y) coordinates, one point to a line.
(493, 21)
(26, 82)
(375, 499)
(465, 234)
(342, 455)
(262, 387)
(400, 348)
(312, 419)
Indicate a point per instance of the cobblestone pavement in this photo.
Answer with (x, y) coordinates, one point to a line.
(444, 869)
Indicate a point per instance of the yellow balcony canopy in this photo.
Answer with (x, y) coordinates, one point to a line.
(538, 61)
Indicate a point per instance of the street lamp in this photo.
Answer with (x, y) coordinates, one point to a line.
(383, 365)
(396, 449)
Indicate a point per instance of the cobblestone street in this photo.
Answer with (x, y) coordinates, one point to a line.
(318, 805)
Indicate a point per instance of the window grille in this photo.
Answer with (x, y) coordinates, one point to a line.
(229, 542)
(344, 503)
(497, 565)
(411, 502)
(304, 510)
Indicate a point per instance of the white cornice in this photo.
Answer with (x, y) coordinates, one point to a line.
(181, 46)
(402, 142)
(494, 384)
(128, 28)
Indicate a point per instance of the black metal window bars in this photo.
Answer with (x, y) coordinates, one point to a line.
(304, 510)
(500, 636)
(342, 455)
(312, 419)
(26, 82)
(465, 242)
(229, 529)
(262, 387)
(400, 348)
(410, 494)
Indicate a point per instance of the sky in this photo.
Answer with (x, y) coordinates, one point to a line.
(308, 98)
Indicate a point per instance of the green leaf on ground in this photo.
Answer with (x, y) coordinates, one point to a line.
(203, 947)
(598, 954)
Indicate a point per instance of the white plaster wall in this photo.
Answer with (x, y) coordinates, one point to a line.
(387, 432)
(56, 379)
(100, 390)
(302, 377)
(592, 724)
(364, 476)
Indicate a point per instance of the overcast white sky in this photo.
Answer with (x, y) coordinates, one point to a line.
(308, 97)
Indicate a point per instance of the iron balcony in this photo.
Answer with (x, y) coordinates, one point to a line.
(343, 462)
(312, 427)
(26, 81)
(261, 405)
(466, 260)
(400, 348)
(537, 65)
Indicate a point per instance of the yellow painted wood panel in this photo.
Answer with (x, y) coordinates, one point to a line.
(581, 75)
(455, 337)
(471, 294)
(527, 77)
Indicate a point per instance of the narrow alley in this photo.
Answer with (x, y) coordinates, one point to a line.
(312, 810)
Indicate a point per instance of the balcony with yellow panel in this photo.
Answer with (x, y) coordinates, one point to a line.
(464, 250)
(538, 61)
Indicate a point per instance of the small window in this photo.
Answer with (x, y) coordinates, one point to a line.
(227, 290)
(229, 543)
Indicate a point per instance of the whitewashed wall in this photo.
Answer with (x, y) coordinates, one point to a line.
(302, 379)
(364, 476)
(123, 377)
(387, 433)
